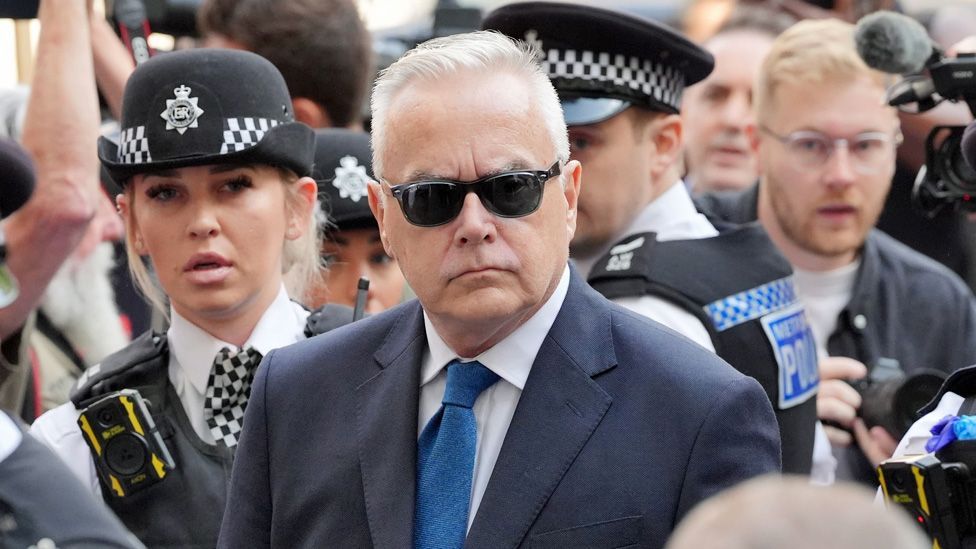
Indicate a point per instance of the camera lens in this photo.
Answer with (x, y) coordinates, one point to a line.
(107, 416)
(896, 481)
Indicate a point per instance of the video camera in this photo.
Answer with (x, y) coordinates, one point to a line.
(938, 491)
(890, 398)
(897, 44)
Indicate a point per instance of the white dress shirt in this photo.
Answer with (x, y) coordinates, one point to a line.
(672, 217)
(511, 359)
(191, 355)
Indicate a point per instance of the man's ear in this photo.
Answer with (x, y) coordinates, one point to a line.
(666, 134)
(307, 190)
(311, 113)
(377, 204)
(573, 183)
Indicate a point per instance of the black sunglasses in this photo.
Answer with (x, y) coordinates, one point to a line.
(508, 194)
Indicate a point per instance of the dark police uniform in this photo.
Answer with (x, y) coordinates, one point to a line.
(188, 109)
(736, 284)
(186, 508)
(905, 309)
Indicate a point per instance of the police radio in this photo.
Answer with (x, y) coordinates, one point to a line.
(129, 452)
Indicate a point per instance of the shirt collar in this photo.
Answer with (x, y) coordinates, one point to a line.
(671, 216)
(510, 358)
(195, 349)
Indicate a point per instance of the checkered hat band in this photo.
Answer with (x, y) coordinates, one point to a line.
(242, 133)
(751, 304)
(662, 83)
(134, 146)
(228, 389)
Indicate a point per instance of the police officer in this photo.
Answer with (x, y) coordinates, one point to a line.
(351, 246)
(639, 237)
(217, 195)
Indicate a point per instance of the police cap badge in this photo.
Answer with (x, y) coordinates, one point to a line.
(206, 106)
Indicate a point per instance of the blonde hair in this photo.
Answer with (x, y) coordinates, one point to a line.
(810, 52)
(300, 258)
(483, 51)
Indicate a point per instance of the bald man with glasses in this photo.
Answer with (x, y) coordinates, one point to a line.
(826, 143)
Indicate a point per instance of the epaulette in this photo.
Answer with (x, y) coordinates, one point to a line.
(326, 318)
(142, 350)
(631, 258)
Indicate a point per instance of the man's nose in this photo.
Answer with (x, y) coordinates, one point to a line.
(475, 223)
(112, 227)
(840, 166)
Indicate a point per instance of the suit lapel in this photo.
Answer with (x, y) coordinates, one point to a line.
(387, 431)
(557, 413)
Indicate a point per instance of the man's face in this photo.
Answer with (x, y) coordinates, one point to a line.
(819, 216)
(478, 269)
(616, 155)
(717, 111)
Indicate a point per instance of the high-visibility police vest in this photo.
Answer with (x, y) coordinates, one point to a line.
(741, 288)
(185, 509)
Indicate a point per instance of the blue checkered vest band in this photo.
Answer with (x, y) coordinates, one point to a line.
(749, 308)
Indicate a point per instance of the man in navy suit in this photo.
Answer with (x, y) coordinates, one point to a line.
(510, 405)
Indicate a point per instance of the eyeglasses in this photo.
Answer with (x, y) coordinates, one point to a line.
(508, 194)
(868, 151)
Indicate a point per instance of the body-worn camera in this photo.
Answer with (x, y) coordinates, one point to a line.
(891, 399)
(130, 455)
(938, 490)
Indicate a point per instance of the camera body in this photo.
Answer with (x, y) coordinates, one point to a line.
(938, 491)
(946, 179)
(129, 452)
(890, 398)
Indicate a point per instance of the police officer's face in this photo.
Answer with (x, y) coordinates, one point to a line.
(616, 157)
(352, 254)
(717, 111)
(820, 215)
(215, 236)
(478, 269)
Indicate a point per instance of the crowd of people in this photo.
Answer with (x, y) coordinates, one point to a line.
(575, 280)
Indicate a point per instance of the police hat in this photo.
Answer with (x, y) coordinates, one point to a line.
(602, 61)
(343, 166)
(206, 106)
(16, 177)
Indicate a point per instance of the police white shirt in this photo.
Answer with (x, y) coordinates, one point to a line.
(191, 355)
(672, 216)
(510, 358)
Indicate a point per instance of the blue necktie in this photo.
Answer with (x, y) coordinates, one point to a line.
(445, 460)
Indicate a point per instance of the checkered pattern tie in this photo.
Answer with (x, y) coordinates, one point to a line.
(228, 389)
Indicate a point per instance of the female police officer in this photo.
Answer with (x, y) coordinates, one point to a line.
(216, 193)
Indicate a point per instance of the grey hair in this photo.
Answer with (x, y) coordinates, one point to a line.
(479, 51)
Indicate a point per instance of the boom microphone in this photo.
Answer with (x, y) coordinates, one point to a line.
(894, 43)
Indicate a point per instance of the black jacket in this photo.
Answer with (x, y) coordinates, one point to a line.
(904, 307)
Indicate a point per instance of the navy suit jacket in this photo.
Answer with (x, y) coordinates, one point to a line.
(622, 427)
